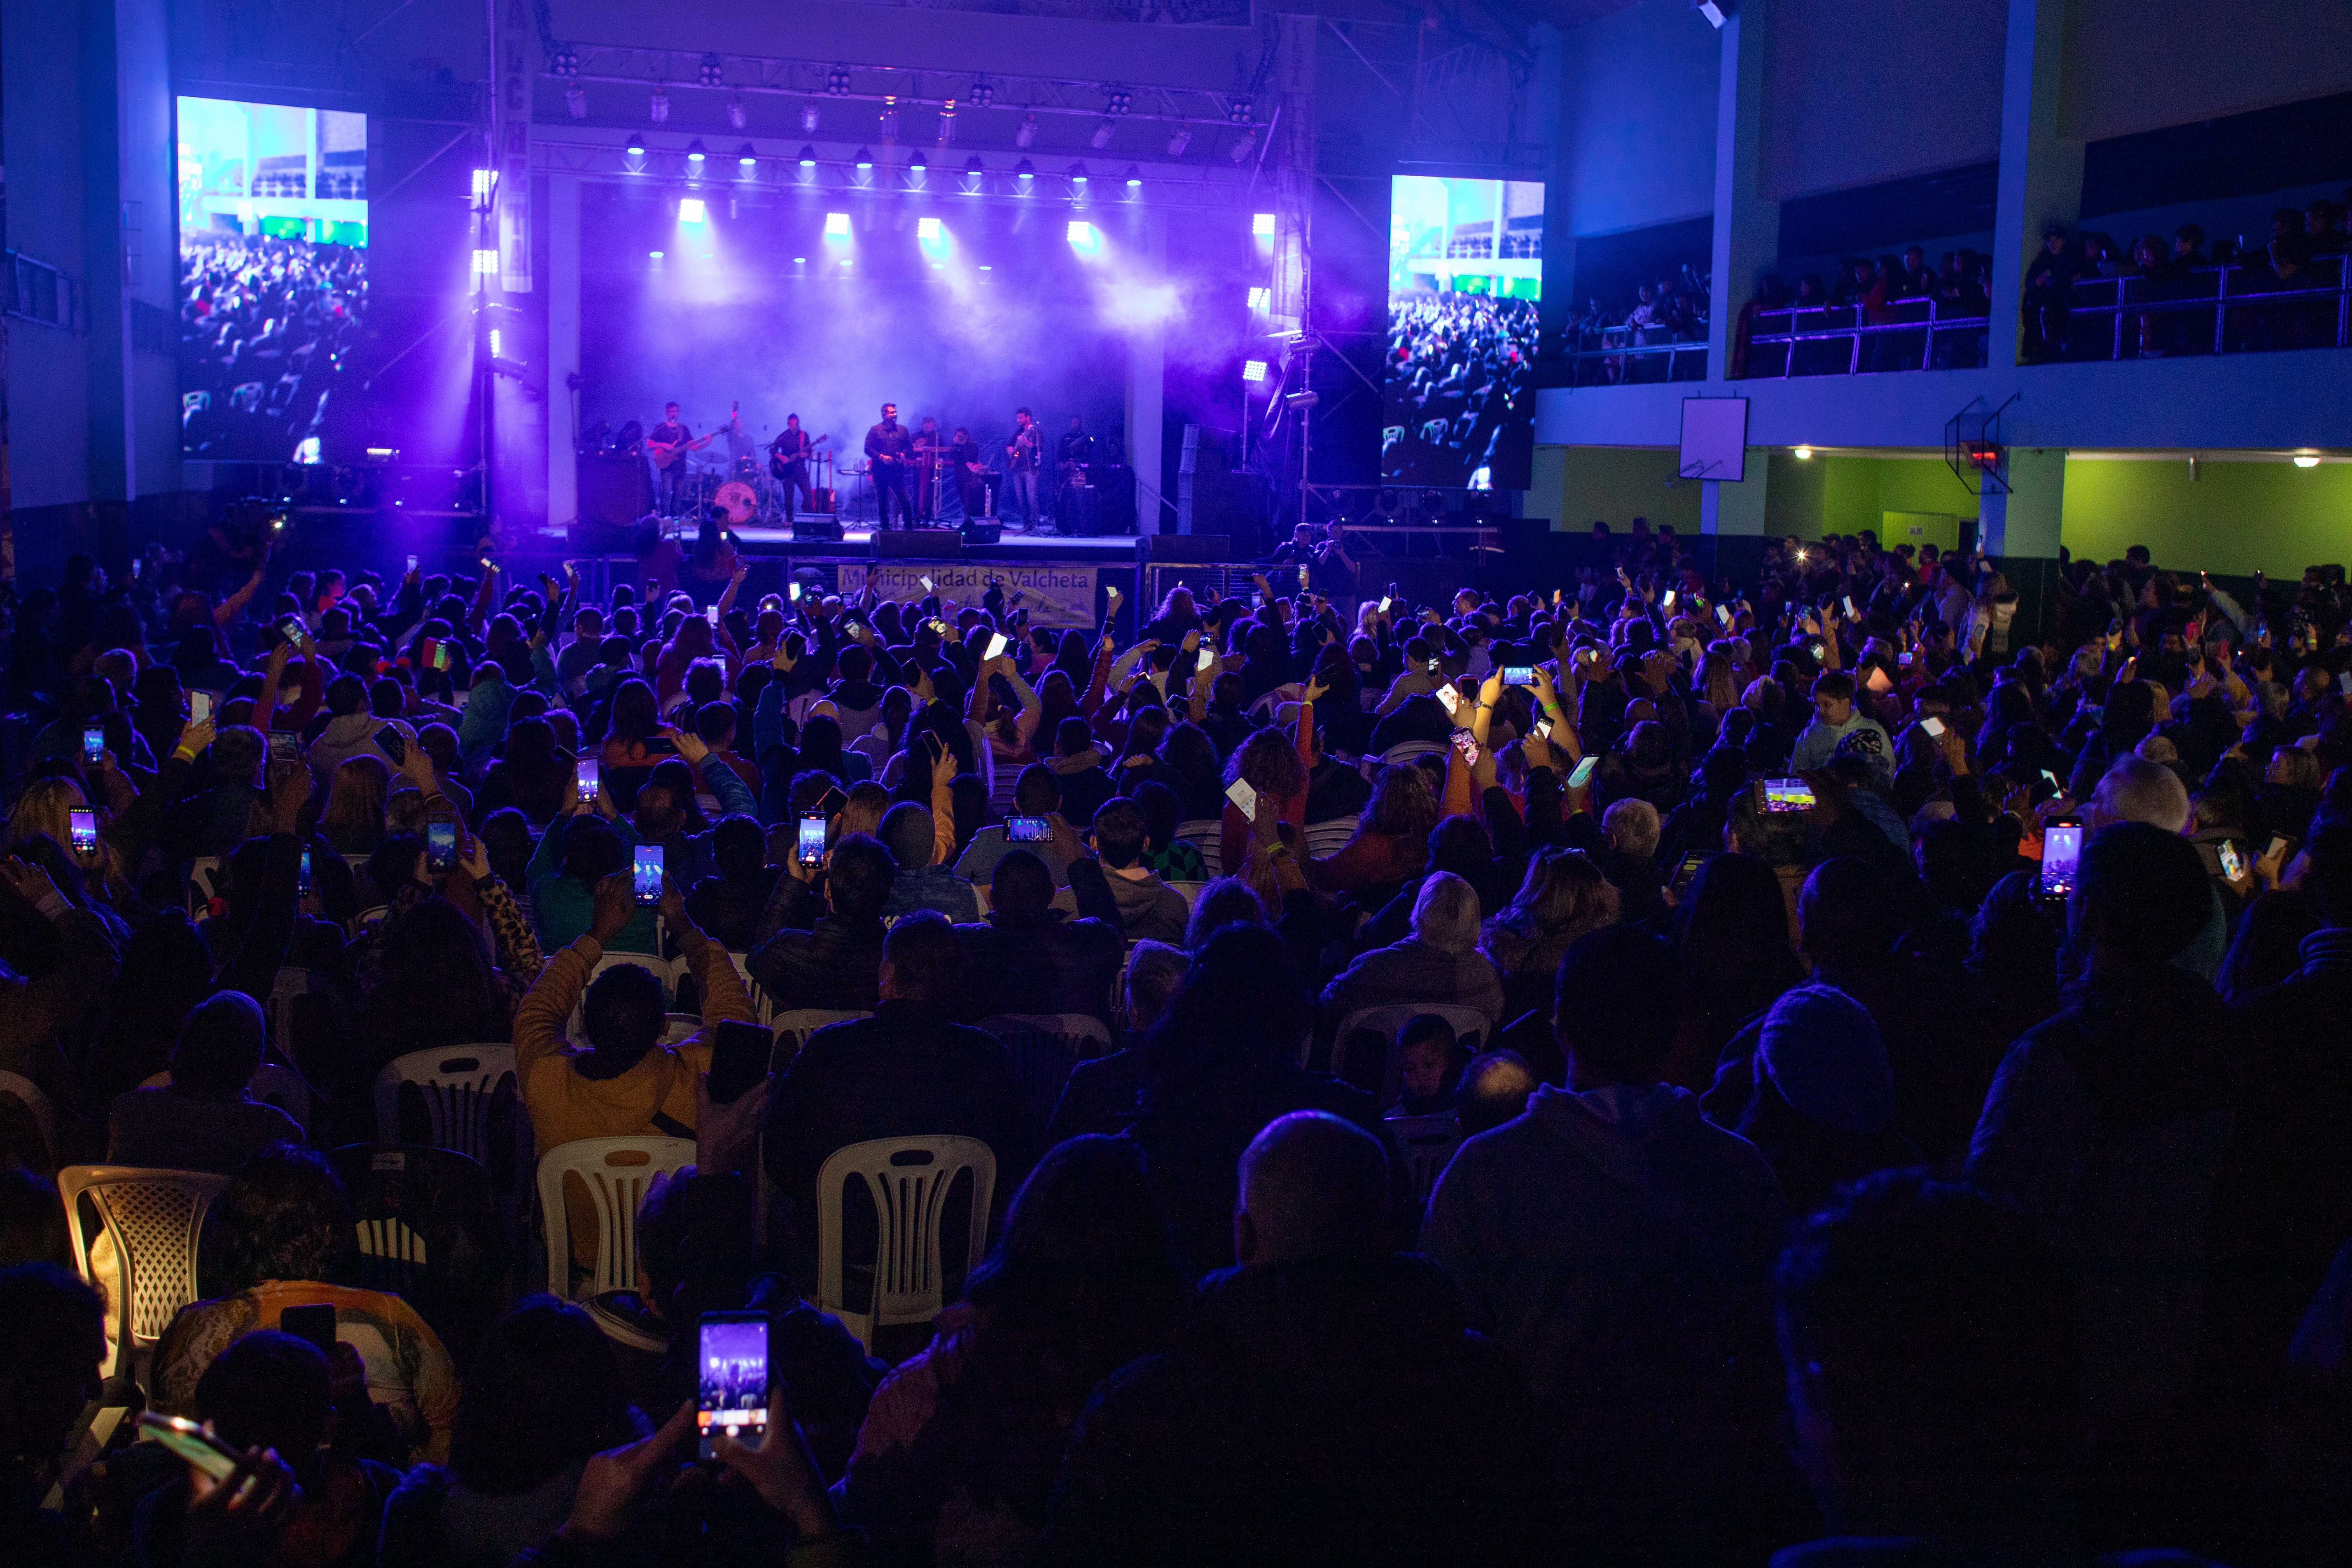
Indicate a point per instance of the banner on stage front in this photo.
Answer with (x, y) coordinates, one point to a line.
(1055, 596)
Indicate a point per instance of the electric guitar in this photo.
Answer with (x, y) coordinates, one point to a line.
(663, 453)
(779, 465)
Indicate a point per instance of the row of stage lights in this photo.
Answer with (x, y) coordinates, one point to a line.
(973, 176)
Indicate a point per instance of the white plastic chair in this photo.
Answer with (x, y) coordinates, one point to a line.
(37, 1105)
(458, 1085)
(1044, 1047)
(665, 970)
(797, 1024)
(1206, 834)
(616, 1172)
(909, 1179)
(1429, 1142)
(1470, 1026)
(763, 1006)
(1325, 839)
(155, 1219)
(271, 1084)
(679, 1027)
(1405, 750)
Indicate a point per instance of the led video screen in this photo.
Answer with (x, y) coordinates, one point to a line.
(1465, 267)
(273, 274)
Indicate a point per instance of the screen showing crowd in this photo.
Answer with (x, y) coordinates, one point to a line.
(1465, 266)
(273, 274)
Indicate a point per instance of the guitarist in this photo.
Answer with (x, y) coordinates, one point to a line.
(931, 450)
(963, 466)
(1021, 459)
(788, 459)
(889, 451)
(670, 475)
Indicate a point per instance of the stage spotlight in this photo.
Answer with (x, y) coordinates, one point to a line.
(1104, 131)
(1178, 142)
(983, 93)
(889, 119)
(654, 260)
(2306, 460)
(837, 82)
(575, 99)
(1118, 101)
(1023, 173)
(1802, 454)
(1237, 109)
(1261, 299)
(746, 156)
(974, 175)
(1083, 236)
(808, 118)
(737, 117)
(1242, 148)
(837, 224)
(658, 110)
(1134, 178)
(808, 157)
(483, 180)
(918, 168)
(1254, 371)
(947, 122)
(1262, 225)
(927, 229)
(864, 159)
(1078, 175)
(691, 210)
(1026, 134)
(695, 151)
(564, 61)
(713, 71)
(637, 144)
(485, 263)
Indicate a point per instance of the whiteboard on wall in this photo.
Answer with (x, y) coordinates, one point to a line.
(1715, 439)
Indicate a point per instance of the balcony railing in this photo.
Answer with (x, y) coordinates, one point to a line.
(1833, 339)
(1613, 356)
(2211, 311)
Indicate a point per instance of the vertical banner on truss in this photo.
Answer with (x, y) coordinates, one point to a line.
(515, 64)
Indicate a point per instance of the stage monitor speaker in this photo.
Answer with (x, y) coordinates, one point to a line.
(1186, 549)
(982, 530)
(615, 490)
(920, 543)
(816, 525)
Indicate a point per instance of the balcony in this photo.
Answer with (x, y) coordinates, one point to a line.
(1834, 340)
(2209, 310)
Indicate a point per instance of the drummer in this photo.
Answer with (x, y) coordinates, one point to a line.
(713, 562)
(742, 460)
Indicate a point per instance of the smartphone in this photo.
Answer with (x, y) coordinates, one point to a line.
(1876, 681)
(1723, 614)
(710, 617)
(1432, 668)
(1385, 603)
(1932, 727)
(2062, 851)
(996, 646)
(1902, 661)
(81, 827)
(2276, 848)
(1851, 613)
(1467, 744)
(647, 873)
(1666, 600)
(314, 1323)
(1518, 675)
(2233, 865)
(196, 1443)
(1449, 699)
(1302, 576)
(1821, 650)
(2344, 679)
(200, 707)
(1244, 796)
(730, 1394)
(1680, 883)
(392, 744)
(926, 582)
(412, 563)
(739, 1060)
(282, 745)
(440, 844)
(1028, 830)
(303, 885)
(937, 625)
(1787, 794)
(292, 629)
(811, 840)
(93, 744)
(793, 592)
(1581, 774)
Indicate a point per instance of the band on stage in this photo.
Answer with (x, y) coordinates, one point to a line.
(908, 471)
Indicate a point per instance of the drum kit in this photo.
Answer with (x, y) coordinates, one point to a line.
(748, 493)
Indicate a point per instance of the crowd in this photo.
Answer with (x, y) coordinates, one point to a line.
(1884, 1059)
(1884, 291)
(1458, 393)
(1672, 310)
(265, 330)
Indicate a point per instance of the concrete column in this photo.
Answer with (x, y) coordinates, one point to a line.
(563, 296)
(1731, 519)
(1147, 373)
(2040, 169)
(1747, 225)
(2024, 522)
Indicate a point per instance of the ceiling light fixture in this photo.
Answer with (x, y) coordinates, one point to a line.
(659, 107)
(1178, 142)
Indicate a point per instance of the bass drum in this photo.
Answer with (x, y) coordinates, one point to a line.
(739, 499)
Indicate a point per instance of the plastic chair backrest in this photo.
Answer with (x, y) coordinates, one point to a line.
(1429, 1142)
(1405, 750)
(457, 1084)
(1470, 1030)
(1206, 834)
(616, 1171)
(1044, 1046)
(665, 970)
(1325, 839)
(795, 1025)
(909, 1179)
(679, 1027)
(415, 1210)
(270, 1084)
(36, 1105)
(157, 1220)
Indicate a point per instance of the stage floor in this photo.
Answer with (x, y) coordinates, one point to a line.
(1105, 551)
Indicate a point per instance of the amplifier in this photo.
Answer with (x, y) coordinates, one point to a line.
(816, 525)
(1186, 549)
(982, 530)
(922, 543)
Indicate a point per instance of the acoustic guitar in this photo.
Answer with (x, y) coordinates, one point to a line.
(664, 452)
(779, 464)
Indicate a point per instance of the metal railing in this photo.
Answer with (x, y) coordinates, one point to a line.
(1611, 356)
(2211, 310)
(1920, 339)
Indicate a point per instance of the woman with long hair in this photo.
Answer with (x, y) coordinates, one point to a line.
(1391, 841)
(1274, 765)
(1563, 897)
(353, 819)
(958, 1453)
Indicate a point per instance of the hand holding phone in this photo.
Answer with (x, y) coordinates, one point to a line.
(1241, 792)
(646, 872)
(810, 850)
(2062, 852)
(441, 844)
(731, 1385)
(1581, 774)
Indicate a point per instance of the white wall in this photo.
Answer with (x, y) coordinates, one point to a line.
(49, 373)
(1637, 119)
(1857, 93)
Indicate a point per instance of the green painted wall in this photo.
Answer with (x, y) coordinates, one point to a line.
(2233, 518)
(1843, 493)
(1612, 484)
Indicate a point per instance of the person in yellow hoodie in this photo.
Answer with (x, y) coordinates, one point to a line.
(624, 1081)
